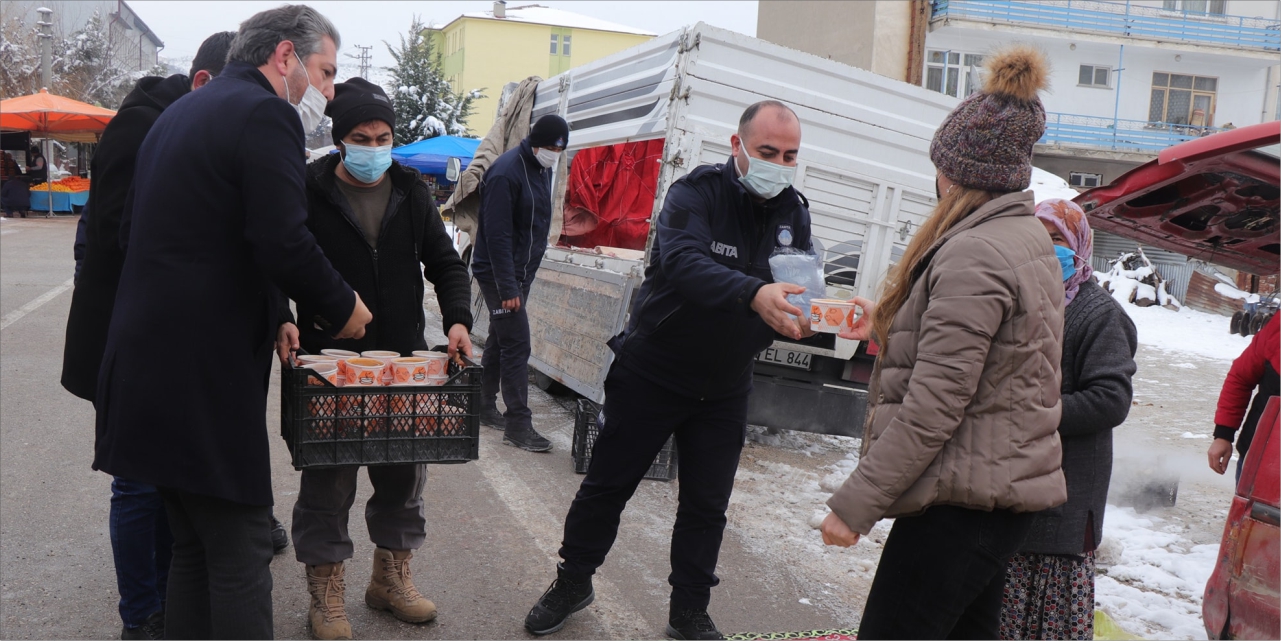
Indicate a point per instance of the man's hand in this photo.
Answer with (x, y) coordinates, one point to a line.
(862, 329)
(459, 341)
(286, 342)
(512, 304)
(772, 306)
(355, 327)
(1220, 453)
(836, 532)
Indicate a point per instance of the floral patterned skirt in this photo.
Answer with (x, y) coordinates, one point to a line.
(1048, 597)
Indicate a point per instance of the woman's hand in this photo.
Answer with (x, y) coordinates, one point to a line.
(836, 532)
(862, 329)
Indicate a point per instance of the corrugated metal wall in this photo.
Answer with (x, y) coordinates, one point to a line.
(1174, 268)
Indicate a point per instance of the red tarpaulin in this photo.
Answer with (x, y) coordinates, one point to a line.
(610, 196)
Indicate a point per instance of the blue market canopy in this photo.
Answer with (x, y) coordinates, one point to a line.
(432, 156)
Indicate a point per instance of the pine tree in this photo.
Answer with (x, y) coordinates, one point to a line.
(425, 104)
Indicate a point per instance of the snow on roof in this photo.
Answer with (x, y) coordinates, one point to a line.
(538, 14)
(1046, 185)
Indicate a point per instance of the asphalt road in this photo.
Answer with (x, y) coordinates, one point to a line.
(493, 525)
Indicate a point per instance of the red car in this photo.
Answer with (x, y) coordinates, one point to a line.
(1217, 199)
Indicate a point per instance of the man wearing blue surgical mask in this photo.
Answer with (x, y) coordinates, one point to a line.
(377, 222)
(683, 367)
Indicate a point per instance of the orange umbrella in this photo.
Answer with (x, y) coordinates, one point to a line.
(49, 114)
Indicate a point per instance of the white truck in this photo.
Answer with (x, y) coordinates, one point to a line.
(863, 167)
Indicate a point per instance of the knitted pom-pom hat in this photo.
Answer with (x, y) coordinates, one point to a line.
(986, 142)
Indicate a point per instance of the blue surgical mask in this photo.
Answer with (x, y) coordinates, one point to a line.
(765, 179)
(1067, 260)
(367, 164)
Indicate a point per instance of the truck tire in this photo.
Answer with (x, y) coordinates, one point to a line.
(1234, 327)
(549, 384)
(1244, 329)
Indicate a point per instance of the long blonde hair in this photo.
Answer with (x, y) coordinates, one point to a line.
(952, 208)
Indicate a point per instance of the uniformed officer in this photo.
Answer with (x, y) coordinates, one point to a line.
(684, 365)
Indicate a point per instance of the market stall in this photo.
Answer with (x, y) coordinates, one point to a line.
(66, 195)
(48, 116)
(431, 158)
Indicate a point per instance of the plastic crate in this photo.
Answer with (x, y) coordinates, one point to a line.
(587, 417)
(328, 426)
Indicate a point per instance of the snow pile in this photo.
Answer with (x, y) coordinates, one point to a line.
(1228, 291)
(1186, 330)
(1154, 589)
(1046, 185)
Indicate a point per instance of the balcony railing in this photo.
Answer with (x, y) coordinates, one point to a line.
(1118, 135)
(1121, 19)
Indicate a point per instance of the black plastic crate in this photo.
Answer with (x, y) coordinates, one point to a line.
(587, 418)
(328, 426)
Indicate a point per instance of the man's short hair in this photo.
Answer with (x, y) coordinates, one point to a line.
(262, 32)
(212, 55)
(749, 114)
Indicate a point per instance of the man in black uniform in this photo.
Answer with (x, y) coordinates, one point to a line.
(684, 365)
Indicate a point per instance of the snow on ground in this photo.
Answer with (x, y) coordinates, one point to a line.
(1154, 585)
(1186, 330)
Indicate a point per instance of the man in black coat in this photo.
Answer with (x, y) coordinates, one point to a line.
(683, 367)
(511, 237)
(376, 221)
(214, 224)
(140, 537)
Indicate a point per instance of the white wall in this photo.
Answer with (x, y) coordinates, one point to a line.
(1243, 82)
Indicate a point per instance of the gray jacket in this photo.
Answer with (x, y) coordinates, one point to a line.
(1099, 342)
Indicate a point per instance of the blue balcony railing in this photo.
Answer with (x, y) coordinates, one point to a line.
(1119, 135)
(1120, 19)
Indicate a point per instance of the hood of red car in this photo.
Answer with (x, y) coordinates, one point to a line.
(1213, 199)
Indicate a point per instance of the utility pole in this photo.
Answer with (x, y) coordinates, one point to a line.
(46, 44)
(364, 57)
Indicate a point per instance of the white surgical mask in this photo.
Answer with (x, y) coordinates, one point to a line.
(547, 157)
(764, 178)
(311, 109)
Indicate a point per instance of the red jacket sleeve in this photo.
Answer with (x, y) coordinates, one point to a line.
(1247, 370)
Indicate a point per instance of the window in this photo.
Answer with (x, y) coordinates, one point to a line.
(1082, 179)
(1095, 76)
(555, 42)
(1203, 7)
(1181, 99)
(564, 48)
(952, 72)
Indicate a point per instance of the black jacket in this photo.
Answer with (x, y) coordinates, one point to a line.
(216, 222)
(692, 329)
(413, 243)
(1099, 342)
(113, 169)
(515, 218)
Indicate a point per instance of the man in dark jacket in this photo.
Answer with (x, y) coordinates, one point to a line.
(214, 224)
(684, 365)
(140, 538)
(377, 223)
(511, 237)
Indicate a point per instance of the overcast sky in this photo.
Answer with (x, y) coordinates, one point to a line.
(184, 25)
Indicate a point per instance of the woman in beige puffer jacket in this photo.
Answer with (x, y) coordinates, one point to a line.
(961, 444)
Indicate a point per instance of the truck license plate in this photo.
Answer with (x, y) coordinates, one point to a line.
(785, 357)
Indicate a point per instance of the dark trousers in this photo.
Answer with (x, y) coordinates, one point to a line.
(220, 579)
(639, 418)
(506, 357)
(141, 546)
(942, 574)
(394, 514)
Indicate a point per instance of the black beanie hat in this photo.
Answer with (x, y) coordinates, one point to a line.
(550, 131)
(357, 101)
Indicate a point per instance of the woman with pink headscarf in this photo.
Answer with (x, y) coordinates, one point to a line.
(1049, 589)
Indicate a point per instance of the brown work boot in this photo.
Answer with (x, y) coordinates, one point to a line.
(327, 617)
(392, 588)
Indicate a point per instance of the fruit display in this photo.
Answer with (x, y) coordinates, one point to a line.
(66, 185)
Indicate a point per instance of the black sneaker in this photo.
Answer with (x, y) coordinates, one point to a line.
(492, 417)
(153, 628)
(279, 537)
(691, 624)
(567, 595)
(526, 439)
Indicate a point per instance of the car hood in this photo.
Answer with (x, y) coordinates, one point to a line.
(1213, 199)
